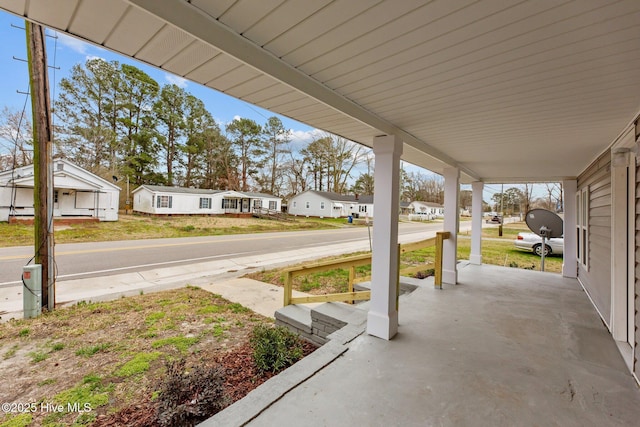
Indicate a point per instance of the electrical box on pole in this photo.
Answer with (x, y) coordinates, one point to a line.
(32, 291)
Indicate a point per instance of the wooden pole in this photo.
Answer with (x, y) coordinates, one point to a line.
(42, 159)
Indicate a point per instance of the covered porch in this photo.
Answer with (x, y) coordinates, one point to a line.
(503, 347)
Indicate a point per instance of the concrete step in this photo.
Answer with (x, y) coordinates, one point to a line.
(407, 284)
(297, 318)
(316, 324)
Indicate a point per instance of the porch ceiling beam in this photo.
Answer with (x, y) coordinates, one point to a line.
(192, 20)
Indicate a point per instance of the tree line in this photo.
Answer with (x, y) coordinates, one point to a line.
(115, 120)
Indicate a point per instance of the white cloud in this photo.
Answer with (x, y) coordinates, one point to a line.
(236, 117)
(176, 80)
(72, 43)
(300, 138)
(90, 57)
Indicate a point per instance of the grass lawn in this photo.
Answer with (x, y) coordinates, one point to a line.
(114, 357)
(133, 227)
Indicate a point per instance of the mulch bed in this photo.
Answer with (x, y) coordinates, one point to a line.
(241, 377)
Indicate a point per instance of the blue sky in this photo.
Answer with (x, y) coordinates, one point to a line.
(65, 51)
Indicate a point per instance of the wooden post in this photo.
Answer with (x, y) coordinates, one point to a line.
(288, 284)
(42, 159)
(398, 281)
(441, 236)
(352, 277)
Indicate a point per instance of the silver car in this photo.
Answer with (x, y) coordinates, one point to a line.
(532, 242)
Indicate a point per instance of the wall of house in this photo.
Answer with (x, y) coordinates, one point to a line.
(22, 200)
(636, 365)
(597, 278)
(298, 206)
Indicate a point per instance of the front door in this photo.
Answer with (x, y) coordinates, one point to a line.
(245, 205)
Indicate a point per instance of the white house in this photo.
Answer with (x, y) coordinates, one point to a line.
(162, 200)
(325, 204)
(429, 210)
(77, 193)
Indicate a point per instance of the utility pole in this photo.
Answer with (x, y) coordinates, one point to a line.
(42, 160)
(501, 210)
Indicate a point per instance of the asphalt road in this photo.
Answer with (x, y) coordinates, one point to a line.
(81, 260)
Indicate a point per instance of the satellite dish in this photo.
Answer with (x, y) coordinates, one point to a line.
(544, 223)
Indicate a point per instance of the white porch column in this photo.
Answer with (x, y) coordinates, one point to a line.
(382, 320)
(569, 258)
(451, 220)
(476, 223)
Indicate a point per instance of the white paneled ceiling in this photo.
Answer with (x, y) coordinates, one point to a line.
(505, 90)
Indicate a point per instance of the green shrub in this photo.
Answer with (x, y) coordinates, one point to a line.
(275, 348)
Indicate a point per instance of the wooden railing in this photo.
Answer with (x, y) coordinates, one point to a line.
(356, 261)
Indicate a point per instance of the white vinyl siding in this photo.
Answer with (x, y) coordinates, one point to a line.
(594, 233)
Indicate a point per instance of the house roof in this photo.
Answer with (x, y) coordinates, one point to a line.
(336, 197)
(203, 191)
(428, 204)
(181, 190)
(506, 91)
(79, 178)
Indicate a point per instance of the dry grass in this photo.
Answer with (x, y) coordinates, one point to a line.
(113, 354)
(133, 227)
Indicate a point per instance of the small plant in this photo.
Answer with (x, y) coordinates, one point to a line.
(11, 352)
(182, 344)
(91, 350)
(275, 348)
(19, 420)
(38, 356)
(237, 308)
(24, 332)
(139, 364)
(187, 398)
(57, 346)
(154, 317)
(209, 309)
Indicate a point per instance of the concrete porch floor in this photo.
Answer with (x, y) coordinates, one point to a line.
(505, 347)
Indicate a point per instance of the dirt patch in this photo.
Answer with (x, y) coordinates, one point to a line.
(109, 358)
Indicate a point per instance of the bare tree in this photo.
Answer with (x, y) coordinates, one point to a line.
(15, 139)
(331, 160)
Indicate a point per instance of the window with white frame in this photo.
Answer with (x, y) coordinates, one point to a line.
(164, 202)
(321, 205)
(307, 205)
(205, 202)
(229, 203)
(362, 208)
(582, 226)
(273, 205)
(257, 203)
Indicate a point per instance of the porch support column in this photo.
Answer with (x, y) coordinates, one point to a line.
(451, 220)
(476, 223)
(382, 320)
(569, 257)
